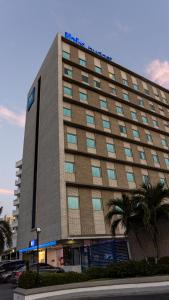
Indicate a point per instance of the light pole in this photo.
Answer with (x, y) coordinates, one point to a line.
(38, 230)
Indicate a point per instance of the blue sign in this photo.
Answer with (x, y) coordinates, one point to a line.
(31, 99)
(33, 243)
(83, 44)
(45, 245)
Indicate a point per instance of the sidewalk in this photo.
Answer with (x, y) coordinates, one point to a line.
(126, 286)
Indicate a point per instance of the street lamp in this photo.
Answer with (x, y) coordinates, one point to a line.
(38, 230)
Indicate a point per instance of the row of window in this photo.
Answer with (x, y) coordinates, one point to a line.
(112, 76)
(73, 203)
(83, 97)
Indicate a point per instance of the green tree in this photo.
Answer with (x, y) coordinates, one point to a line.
(151, 206)
(5, 233)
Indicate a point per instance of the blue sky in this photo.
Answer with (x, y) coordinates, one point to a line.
(134, 33)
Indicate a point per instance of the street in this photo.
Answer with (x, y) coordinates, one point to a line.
(6, 291)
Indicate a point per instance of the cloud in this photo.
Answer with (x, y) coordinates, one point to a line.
(12, 117)
(6, 192)
(122, 27)
(158, 71)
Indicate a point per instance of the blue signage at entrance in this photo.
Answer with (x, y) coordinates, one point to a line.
(83, 44)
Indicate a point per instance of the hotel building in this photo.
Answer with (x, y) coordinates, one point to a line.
(94, 129)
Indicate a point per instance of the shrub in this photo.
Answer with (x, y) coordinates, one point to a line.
(28, 280)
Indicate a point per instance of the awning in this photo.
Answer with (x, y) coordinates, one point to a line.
(45, 245)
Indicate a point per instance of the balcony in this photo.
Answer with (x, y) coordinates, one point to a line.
(18, 182)
(19, 172)
(18, 164)
(17, 192)
(14, 223)
(15, 212)
(16, 202)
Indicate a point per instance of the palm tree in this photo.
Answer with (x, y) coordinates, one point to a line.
(5, 233)
(151, 203)
(125, 212)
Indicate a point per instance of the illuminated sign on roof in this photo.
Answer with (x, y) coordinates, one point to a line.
(83, 44)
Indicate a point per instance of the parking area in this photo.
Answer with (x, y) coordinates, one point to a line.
(6, 291)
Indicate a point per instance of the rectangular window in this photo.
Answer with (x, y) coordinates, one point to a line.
(82, 62)
(125, 82)
(149, 137)
(133, 115)
(155, 158)
(98, 69)
(130, 176)
(113, 91)
(122, 129)
(96, 171)
(71, 138)
(144, 119)
(85, 79)
(136, 133)
(110, 148)
(128, 152)
(68, 72)
(152, 107)
(167, 161)
(106, 124)
(112, 76)
(155, 123)
(119, 110)
(96, 84)
(69, 167)
(89, 119)
(164, 142)
(82, 96)
(91, 143)
(125, 97)
(135, 87)
(103, 104)
(67, 91)
(141, 102)
(163, 181)
(73, 202)
(65, 55)
(146, 91)
(142, 155)
(97, 204)
(111, 173)
(145, 179)
(67, 112)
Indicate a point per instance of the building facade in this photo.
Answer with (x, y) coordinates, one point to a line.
(94, 129)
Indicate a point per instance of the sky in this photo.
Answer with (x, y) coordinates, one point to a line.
(134, 33)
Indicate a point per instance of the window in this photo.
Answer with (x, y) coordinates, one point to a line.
(85, 78)
(67, 72)
(111, 173)
(89, 119)
(69, 167)
(141, 102)
(73, 202)
(130, 176)
(71, 138)
(112, 76)
(67, 112)
(152, 107)
(142, 155)
(66, 55)
(110, 148)
(67, 91)
(145, 179)
(136, 133)
(155, 123)
(122, 129)
(144, 119)
(155, 158)
(113, 91)
(97, 84)
(164, 100)
(149, 137)
(97, 204)
(125, 82)
(82, 96)
(146, 91)
(96, 171)
(106, 124)
(91, 143)
(128, 152)
(133, 115)
(103, 104)
(98, 69)
(163, 181)
(135, 87)
(125, 97)
(119, 110)
(167, 161)
(82, 62)
(164, 142)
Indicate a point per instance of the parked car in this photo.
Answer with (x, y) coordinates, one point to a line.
(6, 269)
(43, 267)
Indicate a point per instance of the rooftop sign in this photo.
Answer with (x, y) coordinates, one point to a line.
(76, 40)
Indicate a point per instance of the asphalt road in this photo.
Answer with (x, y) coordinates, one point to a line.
(6, 291)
